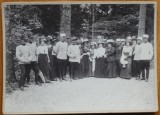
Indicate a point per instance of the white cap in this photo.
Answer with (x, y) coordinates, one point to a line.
(133, 37)
(122, 40)
(145, 36)
(62, 34)
(118, 39)
(110, 40)
(139, 38)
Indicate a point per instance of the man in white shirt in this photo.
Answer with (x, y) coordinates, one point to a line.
(33, 62)
(137, 53)
(22, 55)
(146, 56)
(74, 59)
(61, 51)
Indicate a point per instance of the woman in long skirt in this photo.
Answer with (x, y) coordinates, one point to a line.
(53, 61)
(85, 59)
(118, 49)
(126, 53)
(43, 60)
(99, 61)
(110, 61)
(92, 59)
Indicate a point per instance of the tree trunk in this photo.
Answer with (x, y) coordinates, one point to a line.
(10, 69)
(65, 24)
(142, 20)
(93, 19)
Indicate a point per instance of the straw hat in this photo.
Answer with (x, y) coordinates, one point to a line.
(122, 40)
(85, 40)
(139, 38)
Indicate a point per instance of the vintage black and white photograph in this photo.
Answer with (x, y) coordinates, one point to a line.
(79, 57)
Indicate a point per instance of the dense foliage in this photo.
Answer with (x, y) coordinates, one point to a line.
(110, 21)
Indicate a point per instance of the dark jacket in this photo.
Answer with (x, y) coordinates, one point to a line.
(118, 52)
(110, 52)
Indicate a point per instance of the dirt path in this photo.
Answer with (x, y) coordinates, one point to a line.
(89, 94)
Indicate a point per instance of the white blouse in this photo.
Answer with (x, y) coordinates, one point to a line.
(127, 50)
(42, 50)
(100, 52)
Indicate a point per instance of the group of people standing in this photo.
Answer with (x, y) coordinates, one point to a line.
(79, 58)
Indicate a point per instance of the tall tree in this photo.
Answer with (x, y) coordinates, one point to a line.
(65, 23)
(142, 19)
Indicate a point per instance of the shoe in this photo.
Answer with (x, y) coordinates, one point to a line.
(137, 78)
(39, 84)
(146, 80)
(21, 88)
(75, 78)
(47, 81)
(25, 85)
(60, 80)
(28, 83)
(70, 80)
(64, 79)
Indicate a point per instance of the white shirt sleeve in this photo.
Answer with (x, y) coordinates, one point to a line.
(151, 50)
(46, 50)
(37, 50)
(18, 54)
(131, 50)
(57, 47)
(69, 51)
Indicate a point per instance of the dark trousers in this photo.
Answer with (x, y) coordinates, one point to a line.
(73, 69)
(34, 66)
(62, 68)
(118, 67)
(137, 68)
(22, 75)
(145, 65)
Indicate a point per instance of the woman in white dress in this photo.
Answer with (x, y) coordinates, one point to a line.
(126, 55)
(43, 60)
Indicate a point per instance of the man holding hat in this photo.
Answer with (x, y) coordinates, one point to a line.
(33, 62)
(146, 56)
(137, 52)
(61, 51)
(22, 55)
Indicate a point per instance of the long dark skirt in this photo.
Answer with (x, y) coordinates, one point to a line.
(133, 68)
(44, 65)
(85, 66)
(126, 72)
(110, 70)
(79, 70)
(99, 67)
(118, 67)
(54, 68)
